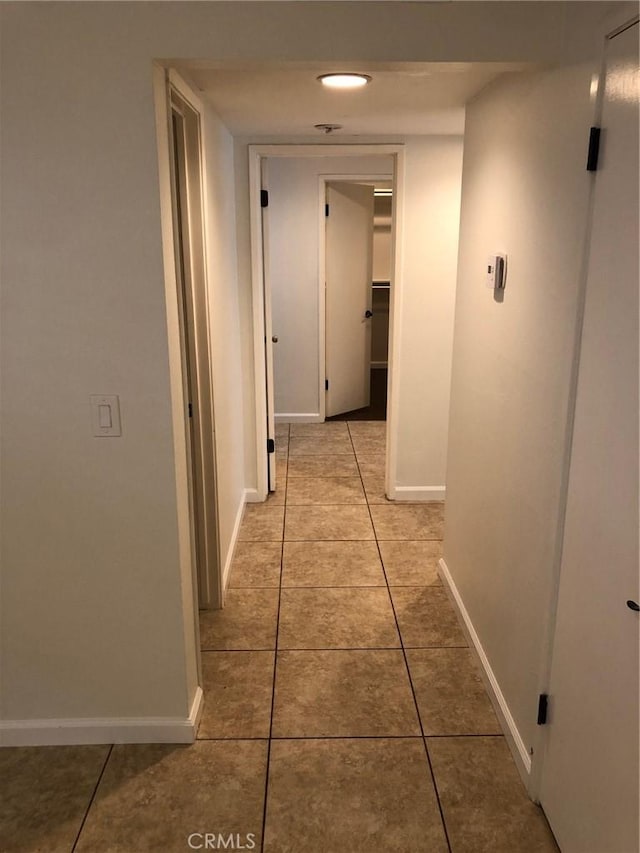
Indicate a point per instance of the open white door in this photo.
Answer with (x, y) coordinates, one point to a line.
(268, 333)
(349, 265)
(589, 786)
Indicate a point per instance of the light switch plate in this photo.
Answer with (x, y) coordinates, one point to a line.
(105, 415)
(496, 271)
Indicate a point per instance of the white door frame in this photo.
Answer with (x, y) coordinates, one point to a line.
(322, 263)
(210, 578)
(256, 154)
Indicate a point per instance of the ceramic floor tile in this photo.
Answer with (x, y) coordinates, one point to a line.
(256, 564)
(372, 463)
(369, 444)
(323, 466)
(153, 796)
(374, 488)
(237, 694)
(355, 618)
(411, 563)
(451, 697)
(485, 805)
(343, 694)
(370, 429)
(277, 498)
(329, 429)
(310, 491)
(351, 795)
(328, 522)
(426, 617)
(417, 521)
(282, 464)
(44, 795)
(248, 621)
(282, 430)
(262, 522)
(331, 564)
(323, 445)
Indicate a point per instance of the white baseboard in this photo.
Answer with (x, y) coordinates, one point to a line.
(226, 569)
(512, 735)
(252, 496)
(418, 493)
(110, 730)
(298, 418)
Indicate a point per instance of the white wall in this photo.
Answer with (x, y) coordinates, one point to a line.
(524, 192)
(294, 204)
(96, 612)
(429, 260)
(226, 344)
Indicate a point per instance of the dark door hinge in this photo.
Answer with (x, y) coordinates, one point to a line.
(271, 446)
(594, 149)
(190, 410)
(326, 384)
(543, 707)
(326, 210)
(264, 198)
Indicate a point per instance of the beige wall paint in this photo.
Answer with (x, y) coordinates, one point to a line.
(429, 259)
(525, 192)
(226, 343)
(94, 620)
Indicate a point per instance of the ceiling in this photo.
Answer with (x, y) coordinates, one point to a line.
(402, 98)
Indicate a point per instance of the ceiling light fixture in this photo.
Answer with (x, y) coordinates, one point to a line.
(344, 80)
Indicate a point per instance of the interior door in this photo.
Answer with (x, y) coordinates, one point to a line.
(348, 276)
(589, 785)
(268, 334)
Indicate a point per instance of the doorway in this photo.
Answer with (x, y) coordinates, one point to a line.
(338, 163)
(358, 254)
(189, 249)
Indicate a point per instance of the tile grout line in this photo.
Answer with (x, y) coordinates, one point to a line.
(406, 663)
(93, 796)
(333, 648)
(275, 654)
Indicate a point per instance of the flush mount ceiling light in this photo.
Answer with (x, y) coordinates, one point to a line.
(344, 80)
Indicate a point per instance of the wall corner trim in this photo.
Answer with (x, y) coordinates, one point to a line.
(418, 493)
(514, 739)
(80, 731)
(226, 569)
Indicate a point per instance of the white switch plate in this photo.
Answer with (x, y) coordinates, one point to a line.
(105, 415)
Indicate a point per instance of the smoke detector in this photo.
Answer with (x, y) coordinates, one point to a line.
(327, 128)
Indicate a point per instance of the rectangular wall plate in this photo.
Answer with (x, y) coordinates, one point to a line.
(105, 415)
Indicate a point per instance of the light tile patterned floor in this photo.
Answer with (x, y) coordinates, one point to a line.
(343, 710)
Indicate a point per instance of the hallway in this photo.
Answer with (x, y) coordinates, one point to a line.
(379, 734)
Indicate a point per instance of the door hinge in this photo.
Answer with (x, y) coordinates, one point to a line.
(326, 384)
(264, 198)
(190, 410)
(326, 210)
(594, 149)
(271, 446)
(543, 707)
